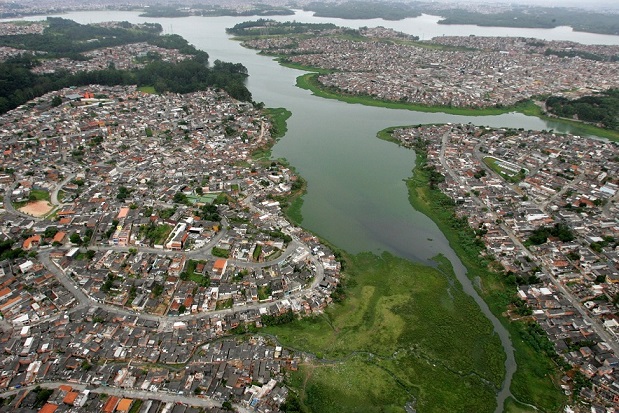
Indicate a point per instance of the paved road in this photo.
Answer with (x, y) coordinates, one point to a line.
(8, 205)
(54, 194)
(135, 394)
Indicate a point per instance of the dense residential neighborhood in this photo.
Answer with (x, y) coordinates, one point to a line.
(146, 230)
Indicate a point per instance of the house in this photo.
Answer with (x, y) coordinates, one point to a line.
(219, 268)
(59, 237)
(70, 398)
(48, 408)
(124, 405)
(31, 242)
(110, 405)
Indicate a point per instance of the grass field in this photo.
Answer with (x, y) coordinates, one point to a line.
(404, 329)
(39, 195)
(148, 89)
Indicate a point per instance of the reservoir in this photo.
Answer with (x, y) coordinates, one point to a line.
(356, 198)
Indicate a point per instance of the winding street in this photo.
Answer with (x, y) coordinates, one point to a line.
(54, 194)
(84, 300)
(8, 205)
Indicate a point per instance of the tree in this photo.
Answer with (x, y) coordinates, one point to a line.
(56, 101)
(123, 193)
(180, 198)
(75, 238)
(50, 232)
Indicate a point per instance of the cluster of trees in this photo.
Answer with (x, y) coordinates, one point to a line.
(18, 84)
(209, 213)
(536, 337)
(602, 108)
(540, 235)
(271, 320)
(606, 241)
(8, 252)
(280, 235)
(434, 176)
(271, 27)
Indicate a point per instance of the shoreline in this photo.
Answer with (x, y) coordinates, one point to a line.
(527, 388)
(309, 82)
(357, 281)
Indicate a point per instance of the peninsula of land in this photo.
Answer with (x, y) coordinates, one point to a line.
(461, 75)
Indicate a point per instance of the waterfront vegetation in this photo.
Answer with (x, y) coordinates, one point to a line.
(291, 204)
(535, 380)
(364, 10)
(287, 63)
(278, 117)
(392, 339)
(536, 17)
(601, 108)
(512, 406)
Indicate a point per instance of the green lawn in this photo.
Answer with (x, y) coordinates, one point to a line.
(147, 89)
(403, 329)
(39, 195)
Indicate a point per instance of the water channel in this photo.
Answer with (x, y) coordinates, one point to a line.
(356, 196)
